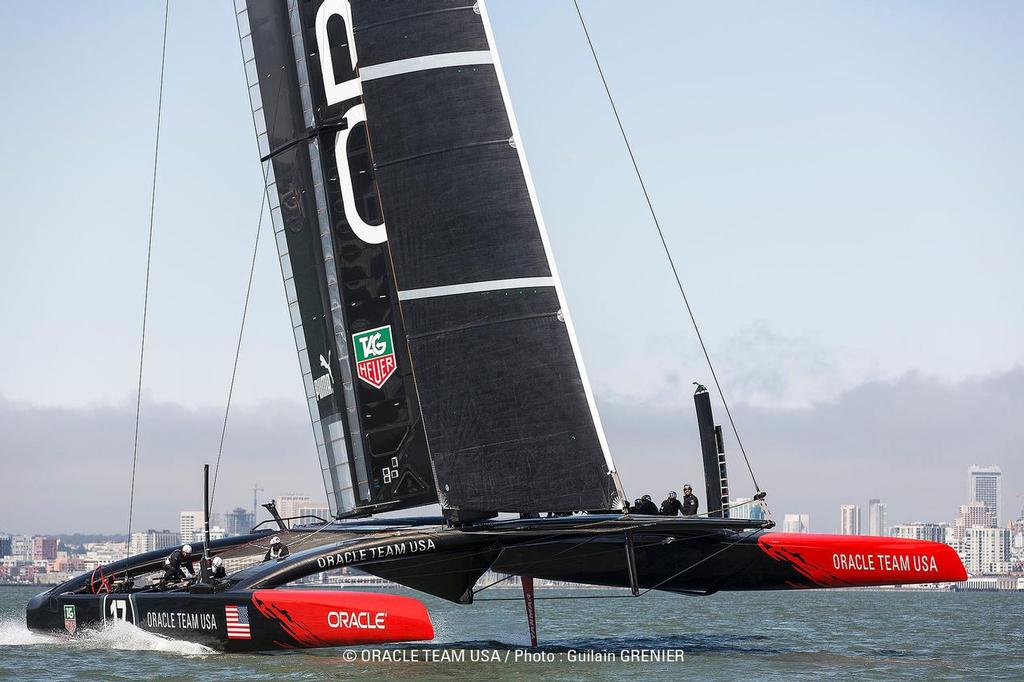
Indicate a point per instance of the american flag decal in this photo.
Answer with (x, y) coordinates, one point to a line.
(238, 622)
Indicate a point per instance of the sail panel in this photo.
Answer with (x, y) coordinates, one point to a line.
(475, 225)
(389, 31)
(508, 423)
(508, 414)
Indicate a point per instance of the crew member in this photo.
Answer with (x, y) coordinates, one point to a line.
(690, 501)
(177, 560)
(647, 506)
(671, 506)
(278, 550)
(217, 570)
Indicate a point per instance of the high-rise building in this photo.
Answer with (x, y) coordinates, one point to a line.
(876, 517)
(933, 532)
(1017, 538)
(190, 526)
(5, 545)
(746, 508)
(239, 521)
(985, 484)
(152, 540)
(138, 543)
(973, 515)
(986, 550)
(313, 512)
(22, 547)
(796, 523)
(289, 506)
(849, 519)
(44, 548)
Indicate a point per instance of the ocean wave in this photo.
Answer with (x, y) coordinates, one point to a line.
(15, 633)
(114, 636)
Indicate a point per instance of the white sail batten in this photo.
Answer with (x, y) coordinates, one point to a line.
(432, 61)
(476, 287)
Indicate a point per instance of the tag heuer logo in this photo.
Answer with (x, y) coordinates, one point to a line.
(375, 355)
(70, 621)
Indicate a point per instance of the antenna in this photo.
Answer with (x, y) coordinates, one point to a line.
(204, 567)
(256, 490)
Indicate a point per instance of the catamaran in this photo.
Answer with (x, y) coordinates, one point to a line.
(440, 365)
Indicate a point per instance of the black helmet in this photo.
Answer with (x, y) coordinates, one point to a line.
(671, 494)
(647, 498)
(687, 488)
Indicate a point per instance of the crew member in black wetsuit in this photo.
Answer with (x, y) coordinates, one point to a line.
(671, 506)
(177, 560)
(278, 550)
(690, 502)
(647, 506)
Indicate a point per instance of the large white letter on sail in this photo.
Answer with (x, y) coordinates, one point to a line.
(371, 234)
(349, 88)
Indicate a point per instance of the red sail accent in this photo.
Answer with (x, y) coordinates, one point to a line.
(855, 560)
(316, 619)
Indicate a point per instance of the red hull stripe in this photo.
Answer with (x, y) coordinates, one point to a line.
(857, 560)
(319, 618)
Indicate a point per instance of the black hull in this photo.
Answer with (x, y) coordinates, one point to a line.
(679, 554)
(243, 621)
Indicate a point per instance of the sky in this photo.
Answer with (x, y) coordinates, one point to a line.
(839, 184)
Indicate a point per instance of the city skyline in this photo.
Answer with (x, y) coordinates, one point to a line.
(302, 504)
(986, 548)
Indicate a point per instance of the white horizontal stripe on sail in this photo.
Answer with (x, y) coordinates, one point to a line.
(430, 61)
(476, 287)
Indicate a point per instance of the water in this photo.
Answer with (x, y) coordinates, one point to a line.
(777, 636)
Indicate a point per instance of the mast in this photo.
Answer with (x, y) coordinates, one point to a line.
(334, 259)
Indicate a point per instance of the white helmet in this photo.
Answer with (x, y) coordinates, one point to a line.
(275, 541)
(186, 549)
(217, 561)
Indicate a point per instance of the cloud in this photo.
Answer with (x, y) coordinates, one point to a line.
(907, 441)
(69, 469)
(757, 364)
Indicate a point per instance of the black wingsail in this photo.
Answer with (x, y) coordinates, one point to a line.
(330, 239)
(508, 412)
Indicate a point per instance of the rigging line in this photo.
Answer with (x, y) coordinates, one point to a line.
(664, 243)
(149, 259)
(520, 568)
(248, 286)
(489, 585)
(241, 331)
(698, 563)
(588, 596)
(628, 596)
